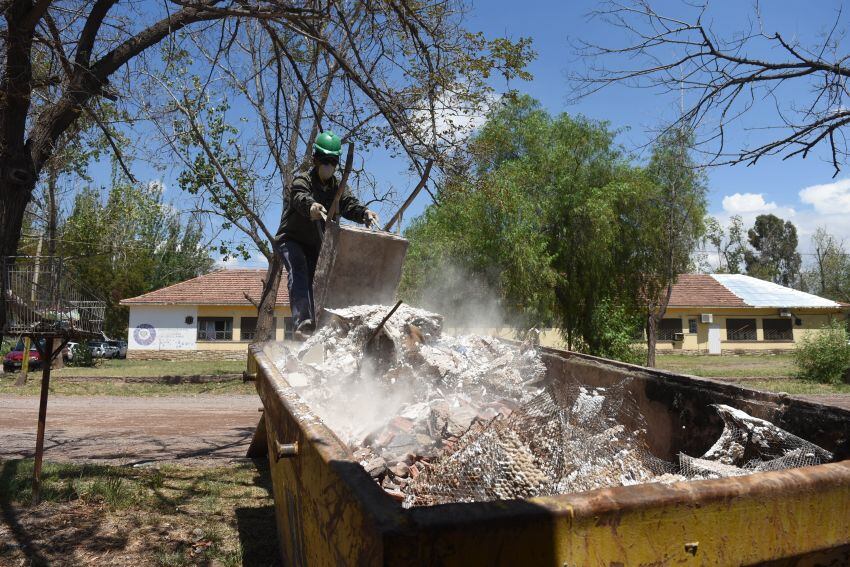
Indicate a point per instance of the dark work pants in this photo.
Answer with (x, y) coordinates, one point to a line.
(300, 261)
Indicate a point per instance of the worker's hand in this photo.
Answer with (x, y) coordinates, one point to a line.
(371, 218)
(318, 212)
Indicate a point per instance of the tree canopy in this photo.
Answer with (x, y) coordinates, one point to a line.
(127, 242)
(551, 215)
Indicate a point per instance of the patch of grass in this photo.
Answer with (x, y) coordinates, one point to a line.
(135, 368)
(798, 386)
(118, 388)
(171, 515)
(729, 366)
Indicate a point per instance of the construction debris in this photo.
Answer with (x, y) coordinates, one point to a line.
(436, 419)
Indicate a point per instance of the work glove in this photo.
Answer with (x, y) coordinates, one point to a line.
(318, 212)
(371, 218)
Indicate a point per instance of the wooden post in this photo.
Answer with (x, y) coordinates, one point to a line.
(25, 363)
(42, 419)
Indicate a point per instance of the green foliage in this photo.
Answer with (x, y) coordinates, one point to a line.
(774, 255)
(823, 356)
(205, 122)
(729, 245)
(128, 244)
(829, 275)
(81, 356)
(552, 218)
(664, 225)
(617, 331)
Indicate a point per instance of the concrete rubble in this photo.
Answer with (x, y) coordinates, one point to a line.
(434, 418)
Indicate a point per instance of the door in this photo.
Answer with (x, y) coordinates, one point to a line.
(714, 338)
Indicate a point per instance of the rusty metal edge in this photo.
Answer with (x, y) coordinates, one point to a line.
(380, 507)
(392, 518)
(779, 399)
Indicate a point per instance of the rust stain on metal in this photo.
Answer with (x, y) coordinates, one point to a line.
(330, 512)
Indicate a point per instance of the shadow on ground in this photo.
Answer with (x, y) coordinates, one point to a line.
(44, 535)
(94, 514)
(256, 526)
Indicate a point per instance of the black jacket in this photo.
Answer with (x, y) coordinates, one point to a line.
(306, 189)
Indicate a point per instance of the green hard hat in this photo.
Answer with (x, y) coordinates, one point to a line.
(327, 143)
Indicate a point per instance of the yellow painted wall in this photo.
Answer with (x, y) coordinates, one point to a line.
(812, 320)
(237, 312)
(548, 337)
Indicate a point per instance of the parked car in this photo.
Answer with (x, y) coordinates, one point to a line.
(99, 349)
(121, 346)
(14, 358)
(68, 351)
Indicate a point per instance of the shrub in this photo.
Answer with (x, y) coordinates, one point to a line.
(81, 356)
(823, 356)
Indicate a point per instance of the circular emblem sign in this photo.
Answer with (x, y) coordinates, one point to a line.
(144, 334)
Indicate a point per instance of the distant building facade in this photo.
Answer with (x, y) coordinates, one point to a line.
(204, 317)
(734, 313)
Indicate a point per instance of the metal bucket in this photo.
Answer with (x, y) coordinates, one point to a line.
(329, 512)
(357, 266)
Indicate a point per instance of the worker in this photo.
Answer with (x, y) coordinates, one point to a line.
(302, 224)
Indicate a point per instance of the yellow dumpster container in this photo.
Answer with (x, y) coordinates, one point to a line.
(329, 512)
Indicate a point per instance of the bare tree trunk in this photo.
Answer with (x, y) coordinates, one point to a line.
(651, 338)
(52, 209)
(13, 202)
(265, 330)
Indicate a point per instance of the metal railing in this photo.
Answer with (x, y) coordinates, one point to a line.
(40, 295)
(744, 332)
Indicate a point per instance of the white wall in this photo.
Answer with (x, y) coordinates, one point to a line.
(162, 327)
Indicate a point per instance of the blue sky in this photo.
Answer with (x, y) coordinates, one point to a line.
(803, 191)
(772, 185)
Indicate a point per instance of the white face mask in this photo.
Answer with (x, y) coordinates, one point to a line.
(326, 170)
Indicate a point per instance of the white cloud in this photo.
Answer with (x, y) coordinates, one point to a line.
(829, 198)
(454, 120)
(743, 203)
(231, 262)
(257, 260)
(157, 186)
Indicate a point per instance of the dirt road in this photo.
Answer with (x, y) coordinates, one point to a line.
(137, 430)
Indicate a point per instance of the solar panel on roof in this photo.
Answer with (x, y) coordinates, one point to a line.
(759, 293)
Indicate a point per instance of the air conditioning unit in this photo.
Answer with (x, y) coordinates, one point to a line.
(679, 336)
(706, 318)
(784, 313)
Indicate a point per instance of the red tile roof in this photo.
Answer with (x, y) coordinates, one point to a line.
(222, 287)
(702, 290)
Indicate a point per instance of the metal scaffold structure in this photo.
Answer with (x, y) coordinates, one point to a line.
(41, 300)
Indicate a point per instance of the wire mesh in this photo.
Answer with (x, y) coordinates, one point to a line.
(41, 296)
(573, 438)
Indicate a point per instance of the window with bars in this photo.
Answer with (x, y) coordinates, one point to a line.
(668, 329)
(215, 328)
(778, 329)
(248, 328)
(692, 326)
(740, 329)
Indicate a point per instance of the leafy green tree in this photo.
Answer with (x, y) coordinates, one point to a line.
(552, 217)
(130, 243)
(670, 216)
(533, 214)
(829, 275)
(774, 255)
(729, 245)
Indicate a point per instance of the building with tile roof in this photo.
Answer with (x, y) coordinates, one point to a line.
(209, 316)
(716, 313)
